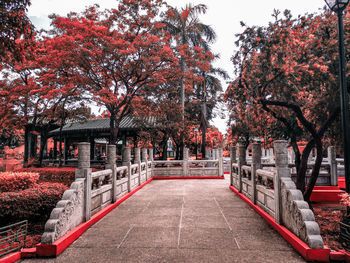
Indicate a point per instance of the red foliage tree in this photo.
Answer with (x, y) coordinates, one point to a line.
(287, 71)
(118, 53)
(14, 25)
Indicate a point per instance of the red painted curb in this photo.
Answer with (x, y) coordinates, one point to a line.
(28, 252)
(337, 256)
(340, 256)
(189, 177)
(326, 194)
(61, 244)
(321, 255)
(13, 257)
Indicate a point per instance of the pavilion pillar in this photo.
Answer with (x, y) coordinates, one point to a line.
(92, 148)
(43, 142)
(124, 140)
(135, 141)
(65, 151)
(55, 149)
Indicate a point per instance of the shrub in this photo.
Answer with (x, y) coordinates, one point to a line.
(35, 203)
(64, 175)
(17, 181)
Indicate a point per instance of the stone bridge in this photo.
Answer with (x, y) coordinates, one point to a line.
(124, 214)
(180, 221)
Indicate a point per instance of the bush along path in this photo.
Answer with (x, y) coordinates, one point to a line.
(24, 197)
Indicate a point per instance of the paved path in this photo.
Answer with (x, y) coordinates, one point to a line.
(180, 221)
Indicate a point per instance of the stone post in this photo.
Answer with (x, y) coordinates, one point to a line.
(84, 171)
(282, 170)
(144, 155)
(333, 165)
(111, 156)
(256, 164)
(311, 157)
(270, 153)
(151, 158)
(232, 160)
(292, 156)
(221, 161)
(215, 154)
(150, 154)
(144, 160)
(241, 161)
(126, 162)
(138, 162)
(185, 162)
(208, 154)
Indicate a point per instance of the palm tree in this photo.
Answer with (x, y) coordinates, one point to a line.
(211, 84)
(186, 28)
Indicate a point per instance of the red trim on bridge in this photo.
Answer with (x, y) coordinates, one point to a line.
(188, 177)
(13, 257)
(321, 255)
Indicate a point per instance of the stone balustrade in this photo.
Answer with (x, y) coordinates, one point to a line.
(272, 189)
(331, 167)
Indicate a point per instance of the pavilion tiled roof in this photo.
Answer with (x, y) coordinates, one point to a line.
(127, 123)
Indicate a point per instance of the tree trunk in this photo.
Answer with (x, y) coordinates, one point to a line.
(26, 145)
(177, 152)
(315, 170)
(114, 127)
(165, 148)
(203, 141)
(34, 145)
(182, 99)
(303, 166)
(297, 153)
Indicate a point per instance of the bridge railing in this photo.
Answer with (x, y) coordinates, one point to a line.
(331, 167)
(272, 189)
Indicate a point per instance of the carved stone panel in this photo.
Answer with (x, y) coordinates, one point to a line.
(68, 214)
(297, 216)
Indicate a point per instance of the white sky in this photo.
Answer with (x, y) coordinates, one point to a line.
(223, 15)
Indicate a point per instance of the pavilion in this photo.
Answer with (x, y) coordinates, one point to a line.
(97, 132)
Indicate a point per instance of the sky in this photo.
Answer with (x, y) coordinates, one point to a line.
(223, 15)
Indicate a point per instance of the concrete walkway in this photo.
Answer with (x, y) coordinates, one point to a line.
(180, 221)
